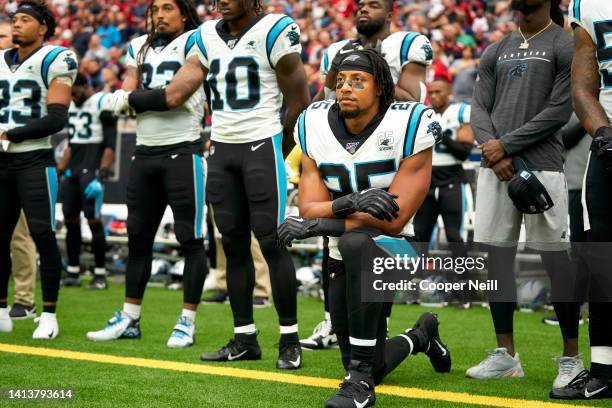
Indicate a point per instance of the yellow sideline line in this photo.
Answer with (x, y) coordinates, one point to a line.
(405, 392)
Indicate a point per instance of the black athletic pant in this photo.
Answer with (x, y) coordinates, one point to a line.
(355, 321)
(28, 181)
(174, 177)
(247, 188)
(598, 197)
(73, 202)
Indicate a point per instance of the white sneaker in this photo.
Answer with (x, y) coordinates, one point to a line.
(6, 324)
(47, 327)
(498, 364)
(323, 337)
(183, 334)
(569, 368)
(119, 326)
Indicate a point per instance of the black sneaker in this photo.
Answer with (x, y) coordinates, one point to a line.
(261, 302)
(20, 311)
(219, 296)
(439, 355)
(357, 390)
(289, 356)
(235, 349)
(98, 283)
(583, 386)
(71, 279)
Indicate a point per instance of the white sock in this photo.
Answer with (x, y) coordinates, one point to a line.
(48, 316)
(132, 310)
(189, 314)
(100, 271)
(74, 269)
(289, 329)
(4, 312)
(248, 329)
(327, 316)
(601, 355)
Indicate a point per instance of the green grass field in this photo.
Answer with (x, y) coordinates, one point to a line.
(468, 334)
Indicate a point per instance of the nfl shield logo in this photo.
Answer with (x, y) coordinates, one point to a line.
(231, 44)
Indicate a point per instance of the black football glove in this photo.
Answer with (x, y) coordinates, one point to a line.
(301, 228)
(374, 201)
(603, 139)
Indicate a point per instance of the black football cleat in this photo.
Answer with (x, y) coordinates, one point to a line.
(584, 386)
(289, 356)
(236, 349)
(356, 391)
(439, 355)
(98, 283)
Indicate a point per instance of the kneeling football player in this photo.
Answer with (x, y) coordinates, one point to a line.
(376, 187)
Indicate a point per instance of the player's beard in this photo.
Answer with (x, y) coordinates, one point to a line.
(350, 114)
(370, 28)
(523, 7)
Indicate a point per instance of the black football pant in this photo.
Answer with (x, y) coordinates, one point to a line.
(247, 188)
(28, 181)
(598, 196)
(155, 182)
(73, 202)
(361, 327)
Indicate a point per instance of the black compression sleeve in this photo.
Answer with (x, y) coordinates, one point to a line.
(109, 129)
(460, 150)
(53, 122)
(572, 134)
(148, 100)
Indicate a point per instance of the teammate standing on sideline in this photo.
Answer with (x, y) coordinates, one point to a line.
(35, 82)
(86, 165)
(592, 96)
(167, 169)
(449, 188)
(408, 55)
(343, 158)
(521, 101)
(251, 61)
(23, 250)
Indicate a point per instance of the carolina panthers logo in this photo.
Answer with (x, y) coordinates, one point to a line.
(294, 37)
(428, 51)
(72, 64)
(435, 130)
(518, 70)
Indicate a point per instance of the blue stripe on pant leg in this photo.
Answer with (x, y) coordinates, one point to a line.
(198, 177)
(52, 187)
(281, 176)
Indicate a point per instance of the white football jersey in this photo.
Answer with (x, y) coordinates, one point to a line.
(244, 92)
(595, 16)
(160, 65)
(455, 116)
(23, 89)
(84, 125)
(398, 49)
(406, 129)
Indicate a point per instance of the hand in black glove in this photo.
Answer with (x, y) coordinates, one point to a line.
(301, 228)
(374, 201)
(603, 138)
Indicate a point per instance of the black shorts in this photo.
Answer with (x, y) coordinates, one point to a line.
(28, 181)
(247, 186)
(73, 197)
(175, 178)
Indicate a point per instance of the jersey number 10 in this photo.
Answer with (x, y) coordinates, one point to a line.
(231, 84)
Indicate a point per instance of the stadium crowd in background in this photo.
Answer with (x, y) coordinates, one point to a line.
(99, 32)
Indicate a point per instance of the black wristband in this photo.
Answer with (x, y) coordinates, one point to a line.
(142, 100)
(330, 227)
(103, 174)
(600, 132)
(343, 207)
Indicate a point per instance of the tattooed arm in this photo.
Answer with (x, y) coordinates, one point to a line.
(586, 82)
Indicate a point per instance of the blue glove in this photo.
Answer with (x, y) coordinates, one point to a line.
(94, 189)
(68, 173)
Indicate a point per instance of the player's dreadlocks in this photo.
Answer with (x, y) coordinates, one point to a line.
(188, 11)
(254, 6)
(40, 6)
(382, 77)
